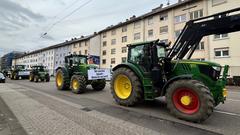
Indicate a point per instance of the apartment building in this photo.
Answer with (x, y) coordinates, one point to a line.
(161, 23)
(224, 49)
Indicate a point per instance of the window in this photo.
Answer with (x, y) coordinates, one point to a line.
(113, 61)
(222, 52)
(80, 45)
(163, 29)
(124, 59)
(221, 36)
(74, 53)
(163, 17)
(124, 39)
(200, 46)
(86, 52)
(150, 33)
(124, 29)
(104, 52)
(104, 35)
(177, 33)
(137, 25)
(86, 43)
(150, 21)
(124, 49)
(80, 52)
(104, 43)
(196, 14)
(113, 32)
(180, 18)
(104, 61)
(75, 46)
(113, 51)
(218, 2)
(137, 36)
(113, 42)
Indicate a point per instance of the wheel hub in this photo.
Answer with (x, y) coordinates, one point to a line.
(186, 100)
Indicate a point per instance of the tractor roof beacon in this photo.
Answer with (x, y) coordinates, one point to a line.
(192, 88)
(74, 75)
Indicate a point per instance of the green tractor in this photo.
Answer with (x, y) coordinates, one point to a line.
(75, 75)
(191, 88)
(39, 73)
(19, 71)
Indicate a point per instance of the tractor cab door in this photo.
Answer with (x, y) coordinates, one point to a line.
(140, 55)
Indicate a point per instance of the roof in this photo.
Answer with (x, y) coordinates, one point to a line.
(153, 12)
(66, 43)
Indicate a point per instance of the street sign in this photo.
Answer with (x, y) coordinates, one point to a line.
(95, 74)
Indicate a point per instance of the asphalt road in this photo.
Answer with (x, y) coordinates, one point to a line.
(153, 115)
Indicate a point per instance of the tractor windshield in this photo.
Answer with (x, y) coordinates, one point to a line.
(79, 60)
(21, 67)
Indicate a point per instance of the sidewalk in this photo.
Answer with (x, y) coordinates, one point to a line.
(42, 114)
(9, 124)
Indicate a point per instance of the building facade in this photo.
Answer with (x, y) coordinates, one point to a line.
(224, 48)
(161, 23)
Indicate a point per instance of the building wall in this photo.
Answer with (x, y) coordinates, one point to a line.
(60, 54)
(231, 42)
(81, 47)
(151, 24)
(94, 45)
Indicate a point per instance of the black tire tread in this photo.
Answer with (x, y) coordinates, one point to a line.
(99, 85)
(136, 96)
(205, 96)
(82, 81)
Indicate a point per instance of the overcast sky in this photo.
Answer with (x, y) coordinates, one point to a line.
(22, 22)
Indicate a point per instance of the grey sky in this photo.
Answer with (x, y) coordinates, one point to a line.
(23, 21)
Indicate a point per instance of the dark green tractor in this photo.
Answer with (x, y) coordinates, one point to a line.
(74, 75)
(192, 88)
(19, 71)
(39, 73)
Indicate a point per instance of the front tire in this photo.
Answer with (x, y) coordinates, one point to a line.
(47, 78)
(61, 80)
(78, 84)
(98, 85)
(31, 78)
(189, 100)
(126, 87)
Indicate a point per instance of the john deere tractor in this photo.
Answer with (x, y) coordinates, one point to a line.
(192, 88)
(74, 75)
(19, 71)
(39, 73)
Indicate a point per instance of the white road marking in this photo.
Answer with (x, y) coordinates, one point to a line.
(228, 113)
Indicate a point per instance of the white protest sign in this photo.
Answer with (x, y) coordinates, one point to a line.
(95, 74)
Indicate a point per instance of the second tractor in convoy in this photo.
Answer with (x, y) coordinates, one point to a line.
(74, 74)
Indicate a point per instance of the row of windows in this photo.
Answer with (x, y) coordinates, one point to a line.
(80, 52)
(164, 17)
(113, 51)
(80, 44)
(113, 60)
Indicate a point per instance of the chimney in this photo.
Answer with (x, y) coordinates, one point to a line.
(133, 17)
(127, 20)
(82, 36)
(95, 33)
(179, 1)
(66, 41)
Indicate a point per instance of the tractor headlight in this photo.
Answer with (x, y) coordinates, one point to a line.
(217, 68)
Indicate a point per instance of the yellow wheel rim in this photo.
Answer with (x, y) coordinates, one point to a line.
(75, 84)
(186, 100)
(59, 79)
(122, 86)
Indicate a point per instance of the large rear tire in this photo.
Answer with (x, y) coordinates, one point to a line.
(61, 80)
(15, 77)
(126, 87)
(78, 84)
(98, 85)
(36, 78)
(189, 100)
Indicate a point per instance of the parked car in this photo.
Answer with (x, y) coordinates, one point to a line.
(2, 78)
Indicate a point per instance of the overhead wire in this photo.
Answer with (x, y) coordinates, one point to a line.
(63, 18)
